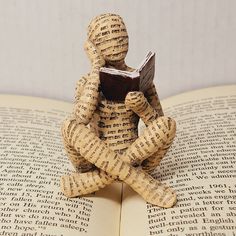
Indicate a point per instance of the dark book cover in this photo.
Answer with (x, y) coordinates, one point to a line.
(115, 84)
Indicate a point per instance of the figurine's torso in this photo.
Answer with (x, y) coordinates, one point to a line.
(115, 124)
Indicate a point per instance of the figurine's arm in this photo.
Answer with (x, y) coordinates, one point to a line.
(78, 92)
(153, 99)
(80, 87)
(87, 92)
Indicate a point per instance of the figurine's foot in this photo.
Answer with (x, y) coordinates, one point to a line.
(65, 186)
(160, 195)
(167, 197)
(78, 184)
(153, 191)
(68, 186)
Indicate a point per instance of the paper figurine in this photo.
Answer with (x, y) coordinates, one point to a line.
(101, 137)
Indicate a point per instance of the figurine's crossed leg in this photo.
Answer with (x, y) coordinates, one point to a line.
(80, 139)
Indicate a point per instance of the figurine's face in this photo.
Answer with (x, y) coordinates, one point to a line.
(114, 48)
(109, 34)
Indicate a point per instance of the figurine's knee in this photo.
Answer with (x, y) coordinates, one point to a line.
(171, 128)
(168, 125)
(65, 129)
(68, 129)
(76, 134)
(71, 130)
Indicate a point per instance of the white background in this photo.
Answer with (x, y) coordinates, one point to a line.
(41, 43)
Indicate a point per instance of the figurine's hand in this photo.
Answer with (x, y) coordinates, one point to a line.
(95, 56)
(135, 101)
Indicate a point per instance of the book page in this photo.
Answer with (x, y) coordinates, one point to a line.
(200, 166)
(147, 72)
(32, 160)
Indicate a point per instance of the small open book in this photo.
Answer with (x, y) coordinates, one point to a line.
(115, 84)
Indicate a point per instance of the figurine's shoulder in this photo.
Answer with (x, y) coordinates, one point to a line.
(83, 80)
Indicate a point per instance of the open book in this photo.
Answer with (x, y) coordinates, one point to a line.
(115, 84)
(200, 166)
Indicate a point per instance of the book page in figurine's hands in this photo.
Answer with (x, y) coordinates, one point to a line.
(200, 166)
(113, 71)
(32, 160)
(145, 61)
(147, 72)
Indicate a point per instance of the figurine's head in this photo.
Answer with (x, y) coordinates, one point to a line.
(108, 33)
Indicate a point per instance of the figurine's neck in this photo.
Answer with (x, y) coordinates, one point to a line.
(119, 65)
